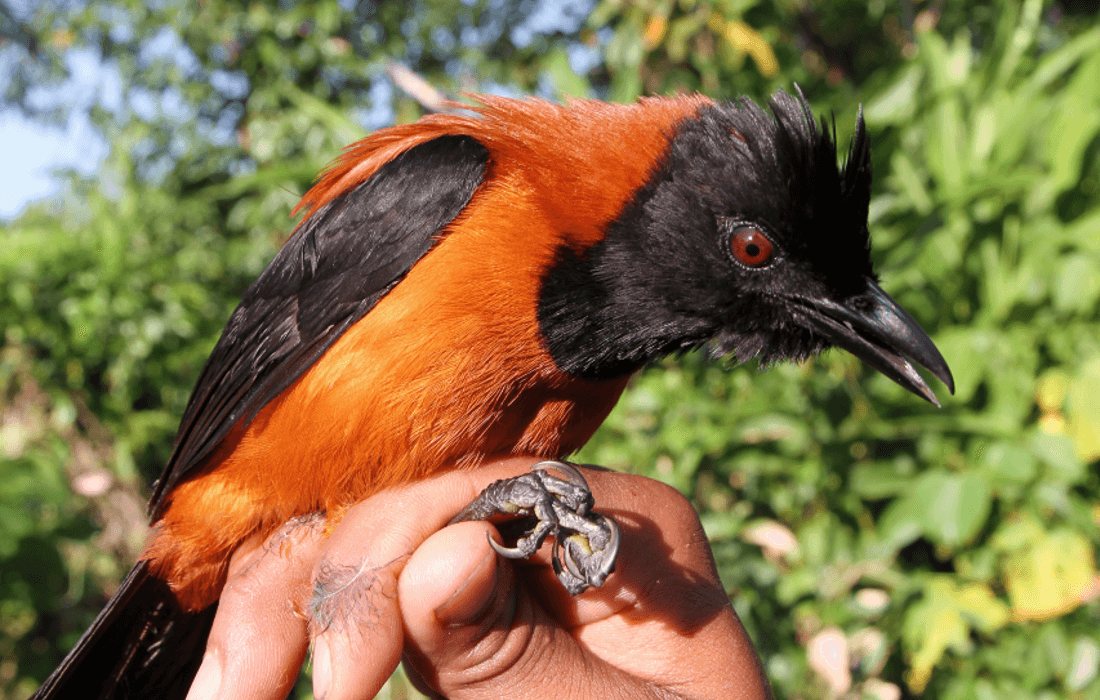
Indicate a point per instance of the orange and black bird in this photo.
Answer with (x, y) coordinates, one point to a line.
(486, 284)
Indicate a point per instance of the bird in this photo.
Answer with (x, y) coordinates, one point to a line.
(486, 282)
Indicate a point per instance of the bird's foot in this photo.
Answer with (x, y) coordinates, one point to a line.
(585, 543)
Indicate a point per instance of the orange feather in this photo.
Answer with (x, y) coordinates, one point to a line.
(449, 367)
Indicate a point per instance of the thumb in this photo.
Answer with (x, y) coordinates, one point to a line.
(458, 600)
(473, 630)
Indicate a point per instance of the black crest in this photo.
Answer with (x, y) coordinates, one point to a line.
(780, 170)
(662, 280)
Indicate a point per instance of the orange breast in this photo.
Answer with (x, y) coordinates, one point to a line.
(447, 369)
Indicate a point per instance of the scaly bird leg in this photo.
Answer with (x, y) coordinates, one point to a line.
(585, 543)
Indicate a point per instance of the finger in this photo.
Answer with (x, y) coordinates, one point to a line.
(357, 634)
(473, 631)
(662, 620)
(355, 617)
(664, 615)
(259, 638)
(455, 579)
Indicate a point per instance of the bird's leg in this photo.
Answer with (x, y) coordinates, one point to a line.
(585, 543)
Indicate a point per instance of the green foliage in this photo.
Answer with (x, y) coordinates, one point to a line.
(953, 549)
(978, 520)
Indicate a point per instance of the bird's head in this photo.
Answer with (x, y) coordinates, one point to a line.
(748, 236)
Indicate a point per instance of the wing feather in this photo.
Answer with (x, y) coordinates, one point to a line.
(338, 264)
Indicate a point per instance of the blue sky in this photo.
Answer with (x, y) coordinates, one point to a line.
(33, 150)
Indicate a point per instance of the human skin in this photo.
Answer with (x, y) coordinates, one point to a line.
(398, 583)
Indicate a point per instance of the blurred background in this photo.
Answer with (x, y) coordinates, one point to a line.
(874, 546)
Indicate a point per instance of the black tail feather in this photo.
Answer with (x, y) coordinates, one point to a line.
(141, 646)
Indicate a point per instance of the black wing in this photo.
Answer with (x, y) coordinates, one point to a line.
(333, 270)
(142, 645)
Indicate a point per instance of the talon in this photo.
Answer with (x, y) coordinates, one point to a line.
(585, 543)
(506, 552)
(572, 474)
(573, 584)
(586, 562)
(570, 561)
(604, 561)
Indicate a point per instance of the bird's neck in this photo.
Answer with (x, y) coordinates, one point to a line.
(601, 320)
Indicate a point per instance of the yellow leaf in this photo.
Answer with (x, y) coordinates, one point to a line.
(747, 40)
(941, 626)
(1051, 390)
(943, 620)
(981, 608)
(1084, 410)
(1049, 577)
(61, 39)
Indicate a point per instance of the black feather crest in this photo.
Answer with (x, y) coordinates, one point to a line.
(662, 280)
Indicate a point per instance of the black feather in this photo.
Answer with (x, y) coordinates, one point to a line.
(140, 646)
(339, 263)
(662, 280)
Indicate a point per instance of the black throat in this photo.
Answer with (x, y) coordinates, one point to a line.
(597, 325)
(662, 280)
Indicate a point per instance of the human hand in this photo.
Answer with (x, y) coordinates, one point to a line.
(393, 580)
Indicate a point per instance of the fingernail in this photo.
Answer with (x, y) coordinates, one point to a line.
(472, 598)
(322, 668)
(208, 680)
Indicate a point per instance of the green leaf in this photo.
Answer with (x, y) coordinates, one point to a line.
(1075, 124)
(1055, 64)
(879, 480)
(1077, 286)
(911, 181)
(947, 146)
(1010, 466)
(568, 83)
(958, 508)
(1058, 453)
(906, 518)
(898, 102)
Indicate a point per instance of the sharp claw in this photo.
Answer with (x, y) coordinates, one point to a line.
(612, 547)
(506, 552)
(572, 474)
(555, 560)
(608, 555)
(585, 543)
(570, 561)
(573, 584)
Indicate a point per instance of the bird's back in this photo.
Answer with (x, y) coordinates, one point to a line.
(448, 367)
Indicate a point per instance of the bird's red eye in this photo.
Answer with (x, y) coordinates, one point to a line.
(751, 247)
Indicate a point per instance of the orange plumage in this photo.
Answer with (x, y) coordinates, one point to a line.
(448, 367)
(481, 285)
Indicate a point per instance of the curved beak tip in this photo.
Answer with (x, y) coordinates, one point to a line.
(910, 379)
(938, 367)
(884, 336)
(942, 372)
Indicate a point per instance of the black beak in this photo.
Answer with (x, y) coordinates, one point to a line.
(875, 329)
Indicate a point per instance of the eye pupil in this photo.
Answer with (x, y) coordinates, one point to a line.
(750, 247)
